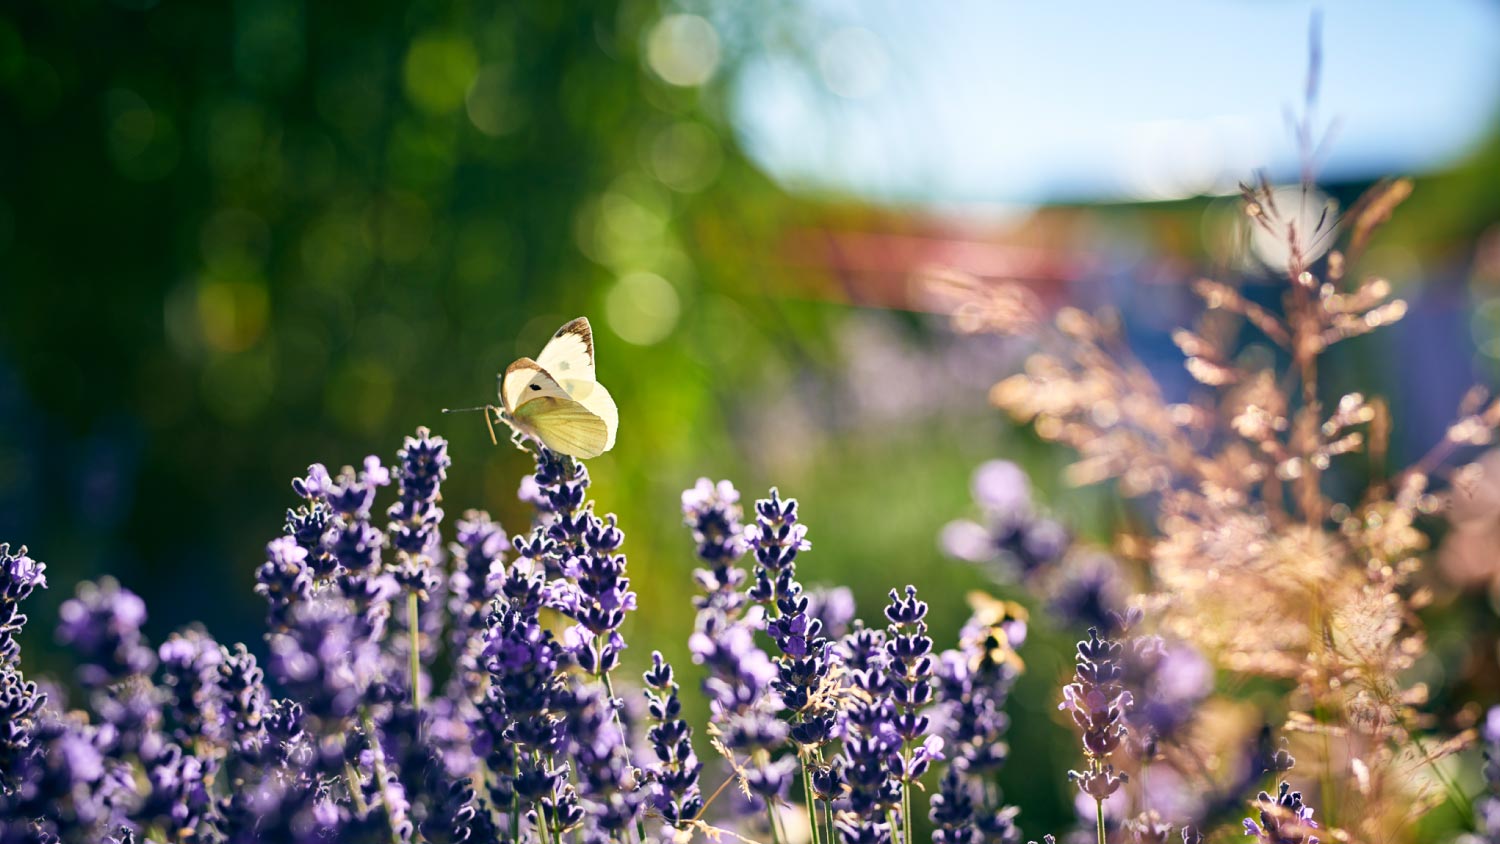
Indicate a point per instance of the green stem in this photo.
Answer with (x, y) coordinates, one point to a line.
(515, 802)
(1456, 795)
(771, 818)
(412, 621)
(1099, 809)
(356, 790)
(380, 772)
(811, 804)
(906, 796)
(609, 689)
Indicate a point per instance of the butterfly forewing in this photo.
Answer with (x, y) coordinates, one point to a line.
(569, 355)
(526, 380)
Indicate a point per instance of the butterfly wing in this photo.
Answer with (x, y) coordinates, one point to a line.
(566, 426)
(525, 380)
(592, 395)
(539, 405)
(569, 355)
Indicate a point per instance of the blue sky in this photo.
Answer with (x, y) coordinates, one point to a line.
(976, 102)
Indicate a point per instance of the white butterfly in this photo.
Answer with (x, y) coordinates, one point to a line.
(556, 399)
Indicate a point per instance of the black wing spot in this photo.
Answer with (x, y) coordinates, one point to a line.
(537, 387)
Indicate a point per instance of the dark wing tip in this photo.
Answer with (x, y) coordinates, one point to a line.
(576, 326)
(585, 332)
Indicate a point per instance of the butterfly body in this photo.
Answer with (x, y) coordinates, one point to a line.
(556, 398)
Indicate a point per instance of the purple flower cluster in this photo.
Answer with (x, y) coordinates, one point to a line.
(674, 775)
(1012, 535)
(1487, 809)
(1013, 541)
(20, 699)
(739, 672)
(487, 710)
(1284, 818)
(973, 683)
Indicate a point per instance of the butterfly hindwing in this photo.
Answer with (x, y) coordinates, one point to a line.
(567, 426)
(592, 395)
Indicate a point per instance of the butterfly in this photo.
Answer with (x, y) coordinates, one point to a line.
(556, 398)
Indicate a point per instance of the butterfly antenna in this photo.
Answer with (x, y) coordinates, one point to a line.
(489, 411)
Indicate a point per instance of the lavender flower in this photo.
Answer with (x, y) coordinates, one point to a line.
(19, 577)
(739, 673)
(1097, 700)
(1167, 682)
(1087, 591)
(674, 774)
(870, 742)
(349, 543)
(58, 785)
(972, 685)
(959, 814)
(20, 699)
(606, 781)
(1012, 535)
(1284, 819)
(517, 716)
(1487, 809)
(803, 668)
(326, 659)
(284, 578)
(190, 674)
(776, 538)
(415, 516)
(577, 551)
(833, 607)
(478, 553)
(909, 668)
(102, 625)
(1149, 828)
(244, 702)
(712, 511)
(451, 815)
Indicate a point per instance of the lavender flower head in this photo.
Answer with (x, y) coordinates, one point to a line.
(739, 673)
(776, 539)
(102, 625)
(349, 542)
(1012, 534)
(19, 577)
(1487, 808)
(674, 774)
(1284, 819)
(1097, 700)
(415, 516)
